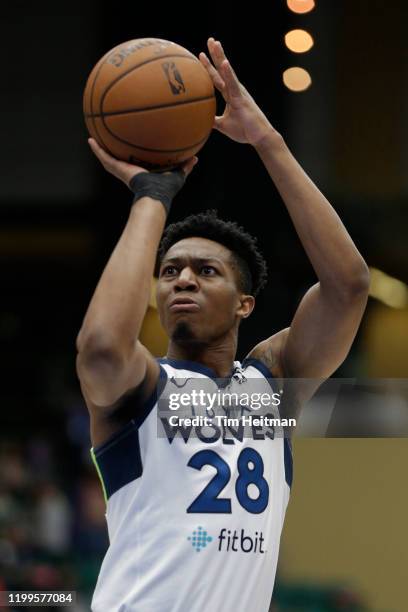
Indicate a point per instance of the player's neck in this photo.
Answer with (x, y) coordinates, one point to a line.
(219, 357)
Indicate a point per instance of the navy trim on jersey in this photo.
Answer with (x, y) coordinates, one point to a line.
(263, 369)
(184, 364)
(288, 457)
(194, 366)
(287, 446)
(141, 413)
(118, 459)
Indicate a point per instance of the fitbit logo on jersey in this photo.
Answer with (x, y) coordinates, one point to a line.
(239, 541)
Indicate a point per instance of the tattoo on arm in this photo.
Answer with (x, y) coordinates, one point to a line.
(269, 358)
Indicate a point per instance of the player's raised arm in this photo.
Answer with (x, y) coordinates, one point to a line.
(328, 317)
(110, 359)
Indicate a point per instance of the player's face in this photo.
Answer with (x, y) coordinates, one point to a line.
(197, 293)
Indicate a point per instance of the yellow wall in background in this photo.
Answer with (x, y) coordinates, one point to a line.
(384, 342)
(152, 334)
(347, 518)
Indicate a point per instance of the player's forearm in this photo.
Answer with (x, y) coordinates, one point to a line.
(116, 312)
(334, 256)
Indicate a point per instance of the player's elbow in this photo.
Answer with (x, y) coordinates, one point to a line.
(98, 347)
(358, 284)
(354, 286)
(98, 358)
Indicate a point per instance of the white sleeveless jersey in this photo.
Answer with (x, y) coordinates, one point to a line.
(194, 513)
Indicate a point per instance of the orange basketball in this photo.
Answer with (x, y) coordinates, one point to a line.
(150, 102)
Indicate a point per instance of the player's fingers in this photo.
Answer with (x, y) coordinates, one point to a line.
(106, 160)
(216, 51)
(232, 83)
(189, 165)
(224, 69)
(214, 74)
(122, 170)
(96, 148)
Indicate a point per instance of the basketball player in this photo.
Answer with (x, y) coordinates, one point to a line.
(194, 521)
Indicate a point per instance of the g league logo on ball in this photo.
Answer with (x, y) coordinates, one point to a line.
(174, 78)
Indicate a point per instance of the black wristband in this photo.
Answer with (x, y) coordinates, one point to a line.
(162, 187)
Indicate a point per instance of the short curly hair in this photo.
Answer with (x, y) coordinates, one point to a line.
(245, 253)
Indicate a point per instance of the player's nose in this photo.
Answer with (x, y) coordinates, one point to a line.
(186, 280)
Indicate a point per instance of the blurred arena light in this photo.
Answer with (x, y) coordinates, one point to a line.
(301, 6)
(389, 290)
(297, 79)
(299, 41)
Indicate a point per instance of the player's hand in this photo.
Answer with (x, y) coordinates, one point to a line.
(125, 171)
(243, 120)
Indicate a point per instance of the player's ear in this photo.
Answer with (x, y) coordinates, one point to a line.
(246, 305)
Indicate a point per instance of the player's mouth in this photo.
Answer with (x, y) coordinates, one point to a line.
(184, 305)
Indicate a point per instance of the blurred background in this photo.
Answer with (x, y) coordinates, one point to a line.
(338, 92)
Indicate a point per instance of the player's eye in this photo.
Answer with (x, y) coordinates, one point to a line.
(208, 270)
(169, 271)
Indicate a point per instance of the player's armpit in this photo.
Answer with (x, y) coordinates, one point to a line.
(269, 352)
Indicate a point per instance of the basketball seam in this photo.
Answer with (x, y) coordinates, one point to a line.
(91, 99)
(148, 108)
(131, 144)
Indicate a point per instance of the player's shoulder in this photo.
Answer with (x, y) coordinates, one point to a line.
(269, 352)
